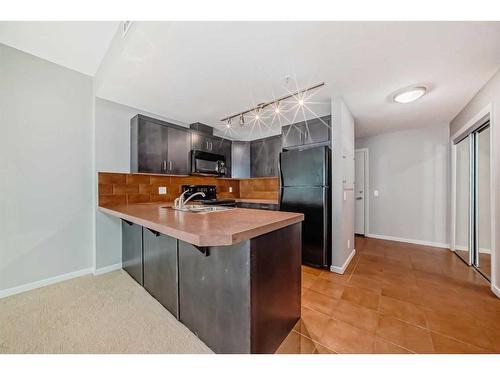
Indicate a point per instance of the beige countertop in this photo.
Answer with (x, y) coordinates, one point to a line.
(204, 229)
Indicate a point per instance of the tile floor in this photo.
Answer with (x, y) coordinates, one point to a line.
(396, 298)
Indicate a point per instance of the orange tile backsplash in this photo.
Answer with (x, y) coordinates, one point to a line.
(259, 188)
(121, 188)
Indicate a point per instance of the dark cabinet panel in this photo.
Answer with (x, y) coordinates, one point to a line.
(152, 142)
(158, 147)
(160, 269)
(216, 145)
(308, 132)
(240, 159)
(214, 295)
(264, 155)
(292, 135)
(227, 152)
(206, 142)
(273, 153)
(178, 151)
(200, 141)
(258, 156)
(132, 257)
(317, 130)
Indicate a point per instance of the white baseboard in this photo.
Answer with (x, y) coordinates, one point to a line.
(111, 268)
(495, 290)
(482, 250)
(409, 240)
(342, 269)
(38, 284)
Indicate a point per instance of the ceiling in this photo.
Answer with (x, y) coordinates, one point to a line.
(76, 45)
(203, 71)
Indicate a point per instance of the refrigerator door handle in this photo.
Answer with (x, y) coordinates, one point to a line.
(280, 187)
(325, 228)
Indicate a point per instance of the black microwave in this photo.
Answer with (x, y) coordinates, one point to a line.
(207, 163)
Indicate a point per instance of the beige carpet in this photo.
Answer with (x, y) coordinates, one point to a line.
(92, 314)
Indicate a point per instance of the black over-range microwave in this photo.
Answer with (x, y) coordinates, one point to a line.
(208, 163)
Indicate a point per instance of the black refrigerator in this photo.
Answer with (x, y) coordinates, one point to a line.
(305, 188)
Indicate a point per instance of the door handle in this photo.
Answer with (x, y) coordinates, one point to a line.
(359, 198)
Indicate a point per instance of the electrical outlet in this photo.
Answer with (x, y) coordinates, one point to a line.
(162, 190)
(230, 189)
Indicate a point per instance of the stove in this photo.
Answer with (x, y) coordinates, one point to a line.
(210, 198)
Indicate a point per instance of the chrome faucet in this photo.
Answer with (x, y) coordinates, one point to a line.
(180, 203)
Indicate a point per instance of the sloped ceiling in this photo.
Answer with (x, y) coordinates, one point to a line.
(203, 71)
(76, 45)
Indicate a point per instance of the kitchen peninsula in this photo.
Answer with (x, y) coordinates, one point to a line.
(232, 277)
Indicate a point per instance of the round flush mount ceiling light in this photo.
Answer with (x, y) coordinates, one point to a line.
(409, 95)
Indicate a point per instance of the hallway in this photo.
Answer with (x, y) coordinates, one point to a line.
(396, 298)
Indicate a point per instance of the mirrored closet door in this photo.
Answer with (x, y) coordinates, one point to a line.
(472, 199)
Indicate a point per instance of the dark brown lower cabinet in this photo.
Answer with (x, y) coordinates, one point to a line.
(160, 269)
(132, 250)
(243, 298)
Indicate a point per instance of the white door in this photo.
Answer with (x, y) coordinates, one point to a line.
(359, 190)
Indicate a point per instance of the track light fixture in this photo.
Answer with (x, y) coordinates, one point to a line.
(257, 113)
(257, 110)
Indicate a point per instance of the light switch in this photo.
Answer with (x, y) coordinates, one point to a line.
(162, 190)
(375, 193)
(345, 195)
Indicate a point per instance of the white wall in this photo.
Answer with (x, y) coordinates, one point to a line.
(112, 154)
(489, 94)
(46, 170)
(410, 169)
(342, 185)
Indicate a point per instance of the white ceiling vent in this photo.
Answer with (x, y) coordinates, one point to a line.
(126, 27)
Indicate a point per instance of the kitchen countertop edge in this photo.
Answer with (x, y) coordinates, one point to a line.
(204, 240)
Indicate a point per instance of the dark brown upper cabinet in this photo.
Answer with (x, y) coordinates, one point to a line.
(264, 156)
(308, 132)
(158, 147)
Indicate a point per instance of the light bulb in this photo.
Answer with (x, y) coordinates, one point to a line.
(301, 102)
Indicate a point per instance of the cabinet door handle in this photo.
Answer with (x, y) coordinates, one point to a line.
(170, 165)
(164, 165)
